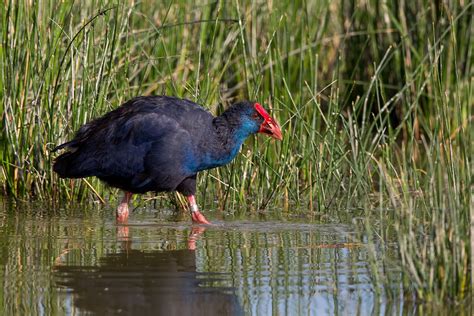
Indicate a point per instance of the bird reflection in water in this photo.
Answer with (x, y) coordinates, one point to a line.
(123, 234)
(136, 282)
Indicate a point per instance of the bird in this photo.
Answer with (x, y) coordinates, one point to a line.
(159, 144)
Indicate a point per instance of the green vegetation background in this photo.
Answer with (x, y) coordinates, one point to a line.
(374, 99)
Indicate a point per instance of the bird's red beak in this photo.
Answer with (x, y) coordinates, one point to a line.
(269, 126)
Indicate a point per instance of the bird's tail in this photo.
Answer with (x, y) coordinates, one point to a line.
(74, 165)
(64, 165)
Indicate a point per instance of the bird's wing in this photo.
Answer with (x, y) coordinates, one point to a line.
(165, 163)
(142, 120)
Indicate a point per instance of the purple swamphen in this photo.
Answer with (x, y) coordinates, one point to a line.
(160, 143)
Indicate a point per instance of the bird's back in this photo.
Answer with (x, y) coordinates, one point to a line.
(143, 119)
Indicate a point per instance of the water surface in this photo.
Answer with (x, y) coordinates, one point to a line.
(79, 261)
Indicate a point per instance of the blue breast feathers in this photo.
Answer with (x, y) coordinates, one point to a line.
(196, 162)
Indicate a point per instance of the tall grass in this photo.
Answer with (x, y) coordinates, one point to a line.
(375, 101)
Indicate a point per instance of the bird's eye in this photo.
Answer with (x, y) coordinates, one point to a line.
(255, 116)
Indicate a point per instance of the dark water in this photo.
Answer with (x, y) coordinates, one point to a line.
(79, 261)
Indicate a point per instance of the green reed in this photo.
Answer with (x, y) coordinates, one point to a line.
(374, 99)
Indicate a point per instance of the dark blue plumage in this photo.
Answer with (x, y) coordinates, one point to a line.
(159, 143)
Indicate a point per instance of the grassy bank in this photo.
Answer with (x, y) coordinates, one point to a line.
(374, 98)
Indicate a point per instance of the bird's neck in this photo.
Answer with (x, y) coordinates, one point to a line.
(230, 133)
(227, 138)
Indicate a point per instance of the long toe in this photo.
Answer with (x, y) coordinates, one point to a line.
(198, 218)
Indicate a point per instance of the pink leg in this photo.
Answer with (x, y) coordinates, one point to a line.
(197, 217)
(122, 209)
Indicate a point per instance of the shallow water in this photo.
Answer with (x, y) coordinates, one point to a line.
(81, 262)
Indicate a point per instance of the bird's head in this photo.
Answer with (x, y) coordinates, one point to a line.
(252, 118)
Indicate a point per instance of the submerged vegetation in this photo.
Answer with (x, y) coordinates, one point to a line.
(374, 99)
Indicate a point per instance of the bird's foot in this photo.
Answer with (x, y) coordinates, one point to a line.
(198, 218)
(122, 213)
(122, 209)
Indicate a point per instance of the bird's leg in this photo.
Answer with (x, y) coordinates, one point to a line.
(122, 209)
(197, 217)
